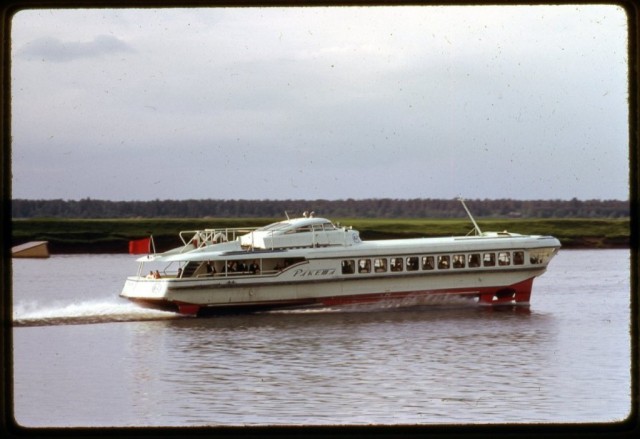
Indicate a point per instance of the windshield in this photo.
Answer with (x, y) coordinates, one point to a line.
(274, 226)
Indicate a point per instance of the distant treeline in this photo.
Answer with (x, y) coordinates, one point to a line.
(349, 208)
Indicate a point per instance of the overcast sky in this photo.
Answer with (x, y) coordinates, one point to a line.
(401, 102)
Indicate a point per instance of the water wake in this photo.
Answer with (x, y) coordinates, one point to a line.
(430, 301)
(34, 314)
(108, 311)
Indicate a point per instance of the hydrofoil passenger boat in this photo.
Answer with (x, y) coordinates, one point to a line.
(311, 262)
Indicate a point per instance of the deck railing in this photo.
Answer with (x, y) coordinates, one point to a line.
(201, 238)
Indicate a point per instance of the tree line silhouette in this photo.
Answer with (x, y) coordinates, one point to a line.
(348, 208)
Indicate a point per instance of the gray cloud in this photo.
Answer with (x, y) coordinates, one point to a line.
(55, 50)
(284, 104)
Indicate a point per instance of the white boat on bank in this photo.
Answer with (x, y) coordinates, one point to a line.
(310, 262)
(33, 249)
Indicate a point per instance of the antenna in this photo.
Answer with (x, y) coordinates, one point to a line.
(286, 214)
(478, 231)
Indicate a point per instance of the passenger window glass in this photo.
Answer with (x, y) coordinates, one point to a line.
(329, 226)
(412, 263)
(458, 261)
(302, 229)
(443, 262)
(348, 266)
(474, 260)
(544, 254)
(504, 258)
(428, 263)
(518, 258)
(540, 255)
(489, 259)
(396, 264)
(380, 265)
(364, 266)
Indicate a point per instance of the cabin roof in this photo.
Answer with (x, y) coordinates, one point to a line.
(293, 223)
(366, 249)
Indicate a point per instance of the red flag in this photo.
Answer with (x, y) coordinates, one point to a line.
(140, 246)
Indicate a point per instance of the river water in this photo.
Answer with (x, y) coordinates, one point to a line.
(84, 357)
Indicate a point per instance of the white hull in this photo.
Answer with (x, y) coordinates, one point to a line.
(247, 294)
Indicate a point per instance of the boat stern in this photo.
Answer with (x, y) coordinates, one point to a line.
(139, 288)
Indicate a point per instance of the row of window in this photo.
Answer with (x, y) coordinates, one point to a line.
(323, 227)
(439, 262)
(319, 227)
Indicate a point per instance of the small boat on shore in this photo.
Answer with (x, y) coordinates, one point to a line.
(33, 249)
(310, 262)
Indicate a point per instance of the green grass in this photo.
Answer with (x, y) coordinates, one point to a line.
(113, 235)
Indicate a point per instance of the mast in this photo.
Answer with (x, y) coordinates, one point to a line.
(478, 231)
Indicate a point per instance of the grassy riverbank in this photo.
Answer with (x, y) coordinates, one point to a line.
(113, 235)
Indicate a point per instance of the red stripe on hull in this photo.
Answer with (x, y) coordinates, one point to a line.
(519, 293)
(188, 309)
(516, 294)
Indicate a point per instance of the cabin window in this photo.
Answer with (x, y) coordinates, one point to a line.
(380, 265)
(232, 266)
(323, 227)
(489, 259)
(540, 255)
(254, 267)
(518, 258)
(458, 261)
(412, 263)
(348, 266)
(302, 229)
(504, 258)
(474, 260)
(210, 268)
(364, 266)
(396, 264)
(279, 264)
(443, 262)
(330, 226)
(428, 263)
(274, 226)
